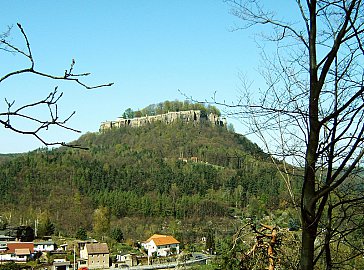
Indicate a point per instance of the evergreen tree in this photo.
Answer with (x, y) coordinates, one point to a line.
(81, 234)
(117, 234)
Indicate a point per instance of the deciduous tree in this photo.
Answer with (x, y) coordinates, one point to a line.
(101, 221)
(311, 112)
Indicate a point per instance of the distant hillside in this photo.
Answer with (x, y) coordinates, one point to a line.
(209, 143)
(5, 157)
(181, 170)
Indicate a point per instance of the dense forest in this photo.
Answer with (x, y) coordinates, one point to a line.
(179, 171)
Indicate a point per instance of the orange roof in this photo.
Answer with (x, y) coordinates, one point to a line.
(155, 236)
(12, 246)
(162, 240)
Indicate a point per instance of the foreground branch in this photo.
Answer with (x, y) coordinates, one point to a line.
(7, 119)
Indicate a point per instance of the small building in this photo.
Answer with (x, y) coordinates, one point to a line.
(3, 246)
(61, 265)
(95, 256)
(44, 246)
(161, 245)
(129, 259)
(63, 247)
(6, 238)
(82, 244)
(21, 254)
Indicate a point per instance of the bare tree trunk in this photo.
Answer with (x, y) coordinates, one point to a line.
(308, 206)
(308, 246)
(328, 258)
(308, 211)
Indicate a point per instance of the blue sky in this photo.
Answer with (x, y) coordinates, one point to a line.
(150, 49)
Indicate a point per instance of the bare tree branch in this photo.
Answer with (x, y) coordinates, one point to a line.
(7, 119)
(313, 107)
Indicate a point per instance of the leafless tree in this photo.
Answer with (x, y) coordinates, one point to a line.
(8, 118)
(311, 114)
(264, 247)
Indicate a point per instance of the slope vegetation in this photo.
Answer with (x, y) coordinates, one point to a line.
(179, 170)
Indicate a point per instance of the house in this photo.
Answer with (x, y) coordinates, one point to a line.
(21, 254)
(45, 246)
(17, 251)
(63, 247)
(3, 246)
(6, 238)
(161, 245)
(61, 264)
(129, 259)
(12, 246)
(94, 256)
(82, 244)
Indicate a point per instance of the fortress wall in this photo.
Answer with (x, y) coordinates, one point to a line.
(170, 117)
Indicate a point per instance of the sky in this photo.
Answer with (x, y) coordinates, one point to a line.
(152, 50)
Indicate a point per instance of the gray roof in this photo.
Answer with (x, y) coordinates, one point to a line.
(6, 237)
(97, 248)
(61, 263)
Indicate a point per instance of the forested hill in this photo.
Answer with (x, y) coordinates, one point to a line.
(5, 157)
(179, 170)
(208, 143)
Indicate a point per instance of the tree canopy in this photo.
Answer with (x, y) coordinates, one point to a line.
(171, 106)
(179, 170)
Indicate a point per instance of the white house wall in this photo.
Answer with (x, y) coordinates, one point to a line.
(43, 247)
(12, 257)
(162, 251)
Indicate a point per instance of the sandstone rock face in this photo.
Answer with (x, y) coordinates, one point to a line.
(170, 117)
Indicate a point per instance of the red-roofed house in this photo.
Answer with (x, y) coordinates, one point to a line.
(12, 246)
(17, 251)
(161, 245)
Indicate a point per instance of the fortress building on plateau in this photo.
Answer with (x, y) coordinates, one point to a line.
(190, 116)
